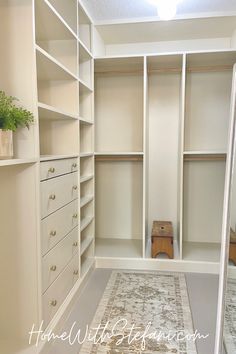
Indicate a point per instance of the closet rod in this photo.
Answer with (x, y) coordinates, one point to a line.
(216, 68)
(220, 157)
(118, 158)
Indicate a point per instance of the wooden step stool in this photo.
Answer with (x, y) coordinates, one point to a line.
(232, 247)
(162, 238)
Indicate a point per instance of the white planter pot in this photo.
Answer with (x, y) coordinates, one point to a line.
(6, 144)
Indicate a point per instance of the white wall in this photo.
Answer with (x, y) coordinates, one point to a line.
(170, 46)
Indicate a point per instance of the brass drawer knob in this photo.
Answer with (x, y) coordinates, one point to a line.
(75, 187)
(53, 303)
(53, 268)
(51, 170)
(75, 244)
(53, 233)
(75, 216)
(74, 165)
(76, 272)
(52, 197)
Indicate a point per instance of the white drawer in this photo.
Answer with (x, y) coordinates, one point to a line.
(57, 292)
(57, 225)
(57, 192)
(54, 168)
(56, 260)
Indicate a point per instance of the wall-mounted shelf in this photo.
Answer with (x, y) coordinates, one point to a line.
(14, 162)
(48, 112)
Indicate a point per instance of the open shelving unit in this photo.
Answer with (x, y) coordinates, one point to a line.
(119, 157)
(164, 75)
(208, 80)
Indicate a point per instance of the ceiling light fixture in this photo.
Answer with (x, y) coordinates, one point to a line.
(166, 9)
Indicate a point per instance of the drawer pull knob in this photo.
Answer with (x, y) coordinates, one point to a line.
(75, 216)
(51, 170)
(76, 272)
(52, 197)
(74, 165)
(75, 244)
(53, 303)
(53, 268)
(53, 233)
(75, 187)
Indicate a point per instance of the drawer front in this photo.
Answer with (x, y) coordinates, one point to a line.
(57, 225)
(56, 260)
(57, 192)
(57, 292)
(54, 168)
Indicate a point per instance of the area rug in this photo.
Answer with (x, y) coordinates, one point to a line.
(142, 312)
(230, 317)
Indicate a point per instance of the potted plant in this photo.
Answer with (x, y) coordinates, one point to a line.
(12, 116)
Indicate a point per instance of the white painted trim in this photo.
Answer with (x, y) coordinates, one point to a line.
(146, 19)
(182, 125)
(158, 264)
(145, 95)
(229, 50)
(226, 222)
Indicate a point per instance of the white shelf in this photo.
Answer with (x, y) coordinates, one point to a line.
(84, 87)
(86, 178)
(48, 68)
(84, 53)
(109, 153)
(107, 247)
(85, 121)
(85, 200)
(86, 154)
(86, 265)
(85, 222)
(85, 244)
(49, 24)
(12, 162)
(57, 157)
(85, 48)
(49, 112)
(201, 251)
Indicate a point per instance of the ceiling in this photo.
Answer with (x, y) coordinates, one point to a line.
(109, 11)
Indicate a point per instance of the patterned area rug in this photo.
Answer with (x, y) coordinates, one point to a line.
(230, 317)
(155, 304)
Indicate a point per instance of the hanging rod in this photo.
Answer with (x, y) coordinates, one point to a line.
(118, 158)
(205, 157)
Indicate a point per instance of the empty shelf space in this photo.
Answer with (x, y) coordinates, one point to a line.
(49, 23)
(122, 248)
(85, 222)
(201, 251)
(56, 157)
(48, 68)
(85, 200)
(49, 112)
(85, 178)
(84, 87)
(84, 49)
(85, 244)
(68, 11)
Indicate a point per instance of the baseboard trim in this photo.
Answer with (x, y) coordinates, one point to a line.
(155, 264)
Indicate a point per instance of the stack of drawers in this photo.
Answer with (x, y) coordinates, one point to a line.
(59, 232)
